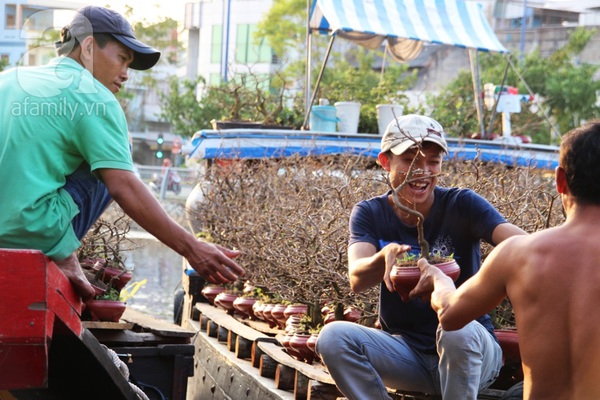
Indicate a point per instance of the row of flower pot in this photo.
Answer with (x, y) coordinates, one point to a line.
(297, 340)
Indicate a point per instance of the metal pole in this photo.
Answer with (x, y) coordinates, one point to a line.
(489, 129)
(314, 94)
(523, 29)
(307, 84)
(225, 55)
(474, 61)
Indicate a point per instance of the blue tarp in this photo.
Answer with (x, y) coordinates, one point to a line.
(256, 144)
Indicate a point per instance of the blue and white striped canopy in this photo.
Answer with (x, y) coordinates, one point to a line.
(450, 22)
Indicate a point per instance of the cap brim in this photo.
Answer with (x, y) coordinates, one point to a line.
(402, 147)
(145, 57)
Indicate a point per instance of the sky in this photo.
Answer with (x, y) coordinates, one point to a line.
(151, 10)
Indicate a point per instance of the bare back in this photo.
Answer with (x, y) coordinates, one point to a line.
(554, 286)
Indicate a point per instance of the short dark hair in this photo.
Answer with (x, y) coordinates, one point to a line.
(68, 42)
(580, 159)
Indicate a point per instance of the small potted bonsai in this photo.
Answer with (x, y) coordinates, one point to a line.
(106, 307)
(101, 253)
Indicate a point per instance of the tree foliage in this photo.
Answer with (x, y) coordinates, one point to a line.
(242, 98)
(566, 86)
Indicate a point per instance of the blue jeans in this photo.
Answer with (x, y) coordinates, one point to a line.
(364, 361)
(91, 197)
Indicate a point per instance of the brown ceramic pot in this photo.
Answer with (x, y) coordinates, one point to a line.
(258, 308)
(509, 342)
(352, 314)
(210, 292)
(295, 309)
(105, 310)
(244, 307)
(278, 315)
(225, 301)
(298, 343)
(117, 278)
(312, 343)
(405, 278)
(268, 317)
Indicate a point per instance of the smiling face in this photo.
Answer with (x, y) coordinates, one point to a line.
(418, 192)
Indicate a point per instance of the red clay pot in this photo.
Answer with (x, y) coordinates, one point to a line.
(105, 310)
(268, 317)
(225, 301)
(285, 342)
(210, 292)
(298, 343)
(312, 343)
(352, 314)
(244, 306)
(278, 315)
(119, 277)
(509, 342)
(405, 278)
(295, 309)
(258, 308)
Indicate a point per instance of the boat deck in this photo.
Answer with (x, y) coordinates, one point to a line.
(240, 358)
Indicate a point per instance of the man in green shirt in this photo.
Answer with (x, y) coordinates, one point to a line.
(64, 151)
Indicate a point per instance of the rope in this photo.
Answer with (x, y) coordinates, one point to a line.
(120, 364)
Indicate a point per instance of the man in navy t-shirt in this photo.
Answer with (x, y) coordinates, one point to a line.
(411, 352)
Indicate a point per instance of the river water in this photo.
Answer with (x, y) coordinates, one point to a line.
(162, 269)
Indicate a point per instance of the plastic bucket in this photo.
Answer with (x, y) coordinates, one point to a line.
(349, 113)
(323, 119)
(385, 115)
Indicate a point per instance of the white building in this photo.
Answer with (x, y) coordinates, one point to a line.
(221, 42)
(22, 26)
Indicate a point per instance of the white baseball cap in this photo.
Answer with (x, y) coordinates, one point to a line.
(407, 131)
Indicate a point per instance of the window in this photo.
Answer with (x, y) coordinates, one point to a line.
(217, 44)
(247, 51)
(10, 21)
(214, 79)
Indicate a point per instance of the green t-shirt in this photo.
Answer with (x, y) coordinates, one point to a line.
(52, 118)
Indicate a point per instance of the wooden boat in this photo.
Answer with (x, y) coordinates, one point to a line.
(239, 358)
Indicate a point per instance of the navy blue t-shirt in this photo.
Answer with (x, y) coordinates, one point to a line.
(459, 219)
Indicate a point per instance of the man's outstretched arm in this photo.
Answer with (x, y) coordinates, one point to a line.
(211, 261)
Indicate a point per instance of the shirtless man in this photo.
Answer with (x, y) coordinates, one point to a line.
(556, 311)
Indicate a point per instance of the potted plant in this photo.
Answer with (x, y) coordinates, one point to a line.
(101, 252)
(249, 105)
(106, 307)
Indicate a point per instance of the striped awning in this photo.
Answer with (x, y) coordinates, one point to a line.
(406, 24)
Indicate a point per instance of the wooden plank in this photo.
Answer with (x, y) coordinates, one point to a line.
(127, 337)
(222, 319)
(107, 325)
(315, 371)
(155, 325)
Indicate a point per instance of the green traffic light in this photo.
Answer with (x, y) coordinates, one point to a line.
(159, 154)
(160, 140)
